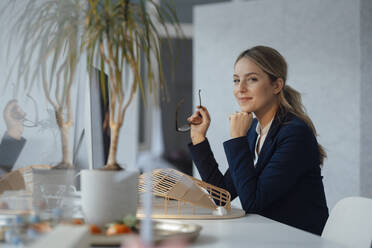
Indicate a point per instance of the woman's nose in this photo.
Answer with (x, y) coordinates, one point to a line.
(243, 86)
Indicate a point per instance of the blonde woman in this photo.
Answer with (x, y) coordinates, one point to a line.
(274, 159)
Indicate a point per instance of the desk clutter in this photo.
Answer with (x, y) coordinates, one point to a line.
(43, 199)
(40, 231)
(34, 200)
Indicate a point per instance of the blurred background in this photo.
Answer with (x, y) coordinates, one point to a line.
(328, 47)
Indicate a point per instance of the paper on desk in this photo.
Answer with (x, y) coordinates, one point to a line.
(12, 181)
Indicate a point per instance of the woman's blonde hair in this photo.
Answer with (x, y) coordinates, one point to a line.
(274, 64)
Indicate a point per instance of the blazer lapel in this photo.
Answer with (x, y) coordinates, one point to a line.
(267, 147)
(252, 136)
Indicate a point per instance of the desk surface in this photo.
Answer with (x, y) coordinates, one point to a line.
(254, 231)
(249, 231)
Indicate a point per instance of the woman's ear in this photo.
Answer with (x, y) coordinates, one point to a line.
(278, 86)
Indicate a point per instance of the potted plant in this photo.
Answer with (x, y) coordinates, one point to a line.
(121, 36)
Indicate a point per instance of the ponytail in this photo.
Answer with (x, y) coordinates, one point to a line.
(291, 101)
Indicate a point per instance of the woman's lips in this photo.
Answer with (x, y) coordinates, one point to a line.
(245, 99)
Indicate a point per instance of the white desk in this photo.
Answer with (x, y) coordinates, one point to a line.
(250, 231)
(254, 231)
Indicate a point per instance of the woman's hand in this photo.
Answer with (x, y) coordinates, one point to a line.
(14, 117)
(240, 122)
(199, 123)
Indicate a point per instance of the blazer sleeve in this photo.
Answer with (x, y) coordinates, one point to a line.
(10, 149)
(207, 166)
(293, 157)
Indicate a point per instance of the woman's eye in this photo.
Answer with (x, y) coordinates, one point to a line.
(236, 81)
(253, 79)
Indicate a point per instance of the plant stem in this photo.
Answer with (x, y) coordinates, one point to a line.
(65, 145)
(64, 131)
(111, 161)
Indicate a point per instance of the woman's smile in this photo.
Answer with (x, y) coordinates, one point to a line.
(245, 99)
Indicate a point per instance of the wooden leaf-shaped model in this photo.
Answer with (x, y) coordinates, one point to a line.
(172, 184)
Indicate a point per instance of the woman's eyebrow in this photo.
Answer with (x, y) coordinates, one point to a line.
(247, 74)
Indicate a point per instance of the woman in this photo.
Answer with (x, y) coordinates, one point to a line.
(274, 159)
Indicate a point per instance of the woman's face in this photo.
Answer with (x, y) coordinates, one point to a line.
(252, 87)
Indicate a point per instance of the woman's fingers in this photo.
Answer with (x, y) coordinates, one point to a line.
(199, 116)
(196, 114)
(240, 123)
(205, 110)
(9, 107)
(237, 114)
(204, 113)
(196, 120)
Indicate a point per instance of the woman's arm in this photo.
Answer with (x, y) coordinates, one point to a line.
(292, 158)
(12, 142)
(10, 149)
(202, 154)
(207, 166)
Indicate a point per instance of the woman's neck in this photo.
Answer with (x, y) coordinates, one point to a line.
(266, 115)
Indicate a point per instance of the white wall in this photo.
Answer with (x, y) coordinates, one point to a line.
(366, 99)
(321, 43)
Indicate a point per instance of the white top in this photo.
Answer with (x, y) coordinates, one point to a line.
(262, 133)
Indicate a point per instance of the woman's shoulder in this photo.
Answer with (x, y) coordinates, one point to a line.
(294, 125)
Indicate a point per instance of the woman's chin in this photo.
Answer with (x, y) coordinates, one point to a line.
(246, 109)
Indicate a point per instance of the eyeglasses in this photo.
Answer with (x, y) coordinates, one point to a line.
(19, 115)
(186, 127)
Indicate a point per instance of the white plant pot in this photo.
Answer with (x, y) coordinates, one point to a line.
(105, 199)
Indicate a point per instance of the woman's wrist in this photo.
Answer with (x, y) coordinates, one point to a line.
(197, 139)
(14, 133)
(237, 135)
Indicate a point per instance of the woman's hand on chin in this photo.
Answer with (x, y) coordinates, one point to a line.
(240, 123)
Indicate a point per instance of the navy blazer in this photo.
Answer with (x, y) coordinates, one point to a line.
(286, 184)
(10, 149)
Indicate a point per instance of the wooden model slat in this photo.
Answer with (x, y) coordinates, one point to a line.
(167, 184)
